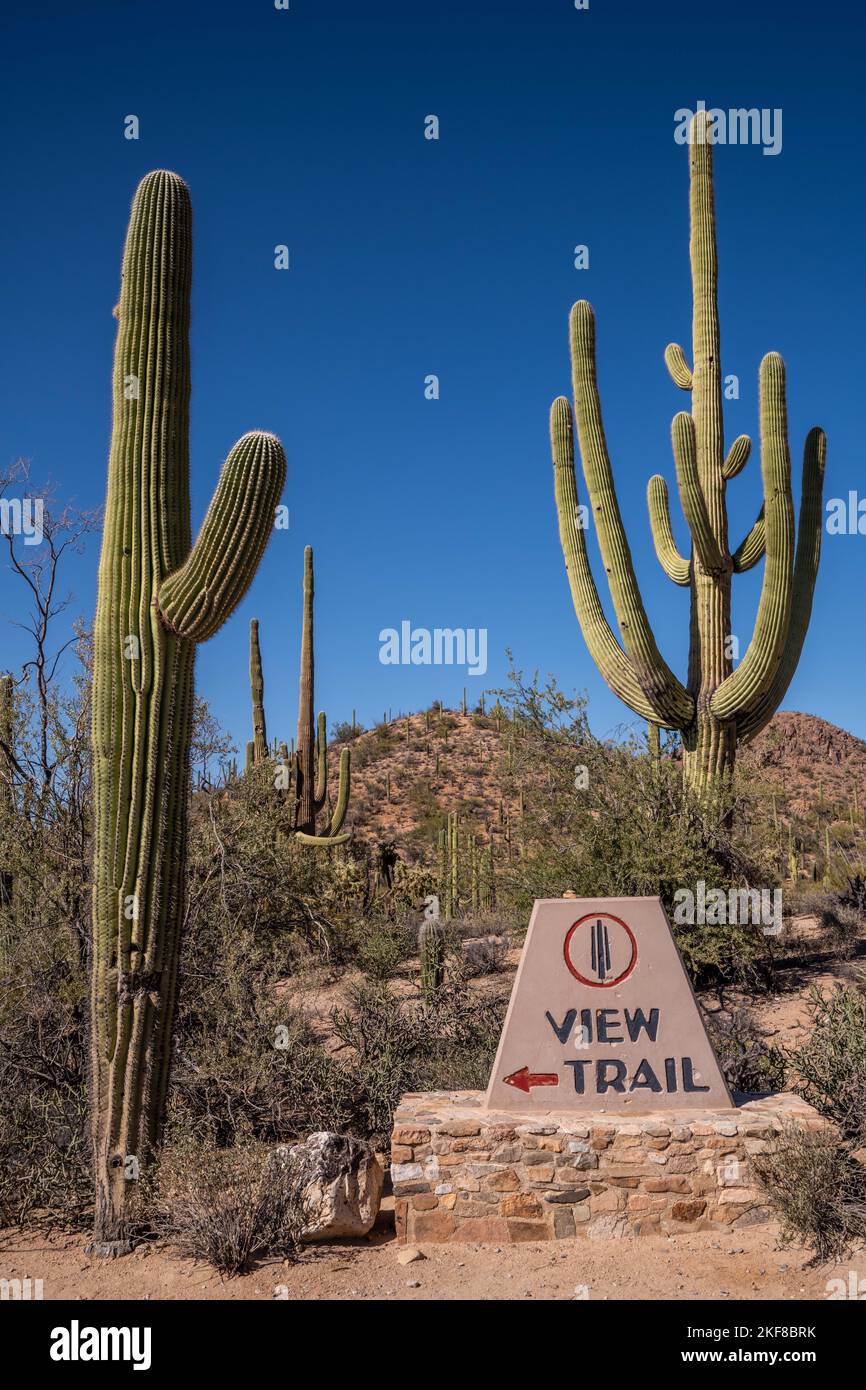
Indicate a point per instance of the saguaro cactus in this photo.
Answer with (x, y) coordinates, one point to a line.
(431, 949)
(158, 595)
(719, 706)
(311, 757)
(257, 692)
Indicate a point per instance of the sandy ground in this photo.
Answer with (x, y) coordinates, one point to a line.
(744, 1265)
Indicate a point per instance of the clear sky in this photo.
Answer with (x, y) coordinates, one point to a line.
(411, 257)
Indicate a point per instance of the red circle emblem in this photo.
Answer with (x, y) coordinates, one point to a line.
(600, 950)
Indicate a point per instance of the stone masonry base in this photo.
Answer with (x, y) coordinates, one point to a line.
(464, 1173)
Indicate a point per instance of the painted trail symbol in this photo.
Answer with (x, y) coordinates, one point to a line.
(603, 1017)
(600, 950)
(524, 1079)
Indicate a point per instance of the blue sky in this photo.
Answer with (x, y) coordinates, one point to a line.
(410, 257)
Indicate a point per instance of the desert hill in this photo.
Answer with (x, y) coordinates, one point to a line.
(409, 772)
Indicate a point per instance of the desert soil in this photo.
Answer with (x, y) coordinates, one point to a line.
(743, 1265)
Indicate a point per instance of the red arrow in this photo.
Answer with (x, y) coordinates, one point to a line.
(524, 1079)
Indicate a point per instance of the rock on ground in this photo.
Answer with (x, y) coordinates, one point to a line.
(342, 1180)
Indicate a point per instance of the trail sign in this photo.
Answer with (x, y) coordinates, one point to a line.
(603, 1016)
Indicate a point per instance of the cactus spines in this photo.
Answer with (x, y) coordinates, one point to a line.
(158, 595)
(720, 707)
(311, 756)
(257, 692)
(431, 949)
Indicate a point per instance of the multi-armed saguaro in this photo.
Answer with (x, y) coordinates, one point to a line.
(311, 756)
(720, 706)
(158, 596)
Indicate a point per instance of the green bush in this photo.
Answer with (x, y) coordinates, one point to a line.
(818, 1190)
(381, 951)
(605, 819)
(398, 1045)
(830, 1067)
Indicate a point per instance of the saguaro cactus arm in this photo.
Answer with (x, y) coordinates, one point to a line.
(737, 457)
(675, 565)
(197, 598)
(692, 498)
(658, 683)
(321, 792)
(603, 646)
(681, 372)
(756, 672)
(809, 533)
(751, 547)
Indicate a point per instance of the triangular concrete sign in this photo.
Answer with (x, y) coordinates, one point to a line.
(603, 1016)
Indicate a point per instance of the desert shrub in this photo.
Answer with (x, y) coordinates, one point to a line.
(44, 926)
(749, 1064)
(485, 957)
(411, 885)
(817, 1188)
(398, 1045)
(229, 1207)
(382, 949)
(831, 1065)
(604, 819)
(425, 811)
(247, 1062)
(346, 732)
(44, 1147)
(853, 894)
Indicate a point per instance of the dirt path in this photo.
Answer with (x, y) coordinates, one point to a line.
(748, 1265)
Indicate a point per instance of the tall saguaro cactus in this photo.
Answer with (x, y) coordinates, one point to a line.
(158, 596)
(720, 706)
(311, 756)
(257, 692)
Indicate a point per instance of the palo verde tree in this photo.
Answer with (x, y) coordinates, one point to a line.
(158, 596)
(720, 706)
